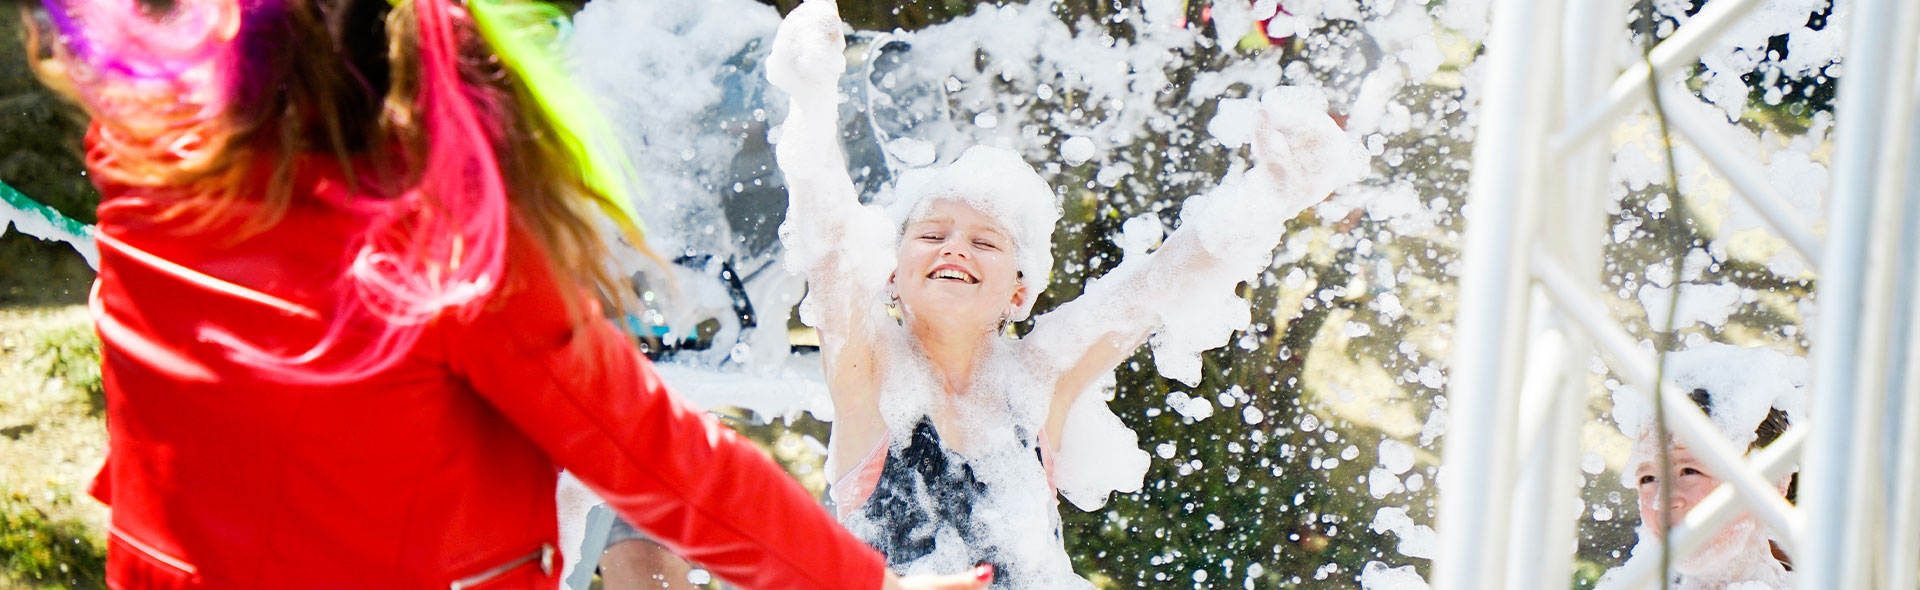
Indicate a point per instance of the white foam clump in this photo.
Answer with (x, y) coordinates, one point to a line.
(1742, 384)
(1238, 224)
(44, 228)
(572, 502)
(912, 152)
(1739, 558)
(652, 65)
(1742, 48)
(1193, 407)
(1709, 304)
(1377, 576)
(1076, 150)
(1100, 456)
(1139, 234)
(1396, 456)
(1407, 34)
(1231, 21)
(794, 385)
(1416, 540)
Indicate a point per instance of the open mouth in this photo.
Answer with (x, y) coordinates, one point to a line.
(949, 273)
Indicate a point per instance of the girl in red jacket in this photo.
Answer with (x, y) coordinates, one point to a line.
(351, 295)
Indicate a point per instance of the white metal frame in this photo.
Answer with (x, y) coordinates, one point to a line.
(1529, 317)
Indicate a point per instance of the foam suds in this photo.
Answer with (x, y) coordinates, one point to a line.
(1742, 384)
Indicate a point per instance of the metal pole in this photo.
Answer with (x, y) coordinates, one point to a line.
(1866, 524)
(1903, 484)
(1679, 51)
(1537, 508)
(1748, 178)
(1474, 499)
(1830, 486)
(1591, 29)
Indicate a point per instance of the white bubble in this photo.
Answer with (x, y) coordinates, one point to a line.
(910, 151)
(1395, 456)
(1076, 150)
(1593, 464)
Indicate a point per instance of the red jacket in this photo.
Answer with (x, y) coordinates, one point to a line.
(436, 473)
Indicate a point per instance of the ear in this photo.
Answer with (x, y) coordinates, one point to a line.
(1019, 299)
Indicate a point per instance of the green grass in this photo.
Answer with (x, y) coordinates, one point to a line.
(44, 553)
(73, 357)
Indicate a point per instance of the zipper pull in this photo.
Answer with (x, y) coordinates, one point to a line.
(546, 559)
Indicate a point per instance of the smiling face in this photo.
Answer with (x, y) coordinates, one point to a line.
(957, 267)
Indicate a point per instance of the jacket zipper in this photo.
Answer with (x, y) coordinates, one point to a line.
(152, 553)
(544, 555)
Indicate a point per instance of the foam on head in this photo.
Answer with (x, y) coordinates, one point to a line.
(1741, 385)
(1000, 184)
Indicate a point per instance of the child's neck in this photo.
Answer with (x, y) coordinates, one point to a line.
(954, 354)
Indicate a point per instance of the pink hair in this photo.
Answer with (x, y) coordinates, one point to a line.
(438, 246)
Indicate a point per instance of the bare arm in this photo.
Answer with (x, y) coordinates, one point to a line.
(841, 247)
(1177, 293)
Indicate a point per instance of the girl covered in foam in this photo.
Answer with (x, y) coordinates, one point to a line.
(1749, 394)
(950, 438)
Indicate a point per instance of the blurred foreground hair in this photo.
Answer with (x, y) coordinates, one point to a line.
(450, 119)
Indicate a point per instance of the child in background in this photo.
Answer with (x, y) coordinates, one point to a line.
(1743, 391)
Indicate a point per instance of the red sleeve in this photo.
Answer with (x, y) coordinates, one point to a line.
(586, 396)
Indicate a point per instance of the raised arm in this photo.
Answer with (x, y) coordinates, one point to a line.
(1177, 293)
(838, 244)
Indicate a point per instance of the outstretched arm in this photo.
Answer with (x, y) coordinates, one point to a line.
(843, 248)
(831, 238)
(1177, 293)
(834, 241)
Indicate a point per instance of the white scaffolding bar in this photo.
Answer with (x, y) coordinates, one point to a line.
(1837, 486)
(1477, 467)
(1534, 220)
(1630, 89)
(1903, 510)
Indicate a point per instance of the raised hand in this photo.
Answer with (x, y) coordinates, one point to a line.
(809, 52)
(1297, 143)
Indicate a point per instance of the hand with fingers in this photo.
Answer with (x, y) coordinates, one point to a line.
(976, 579)
(1301, 147)
(809, 52)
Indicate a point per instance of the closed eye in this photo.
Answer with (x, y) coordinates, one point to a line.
(932, 237)
(986, 244)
